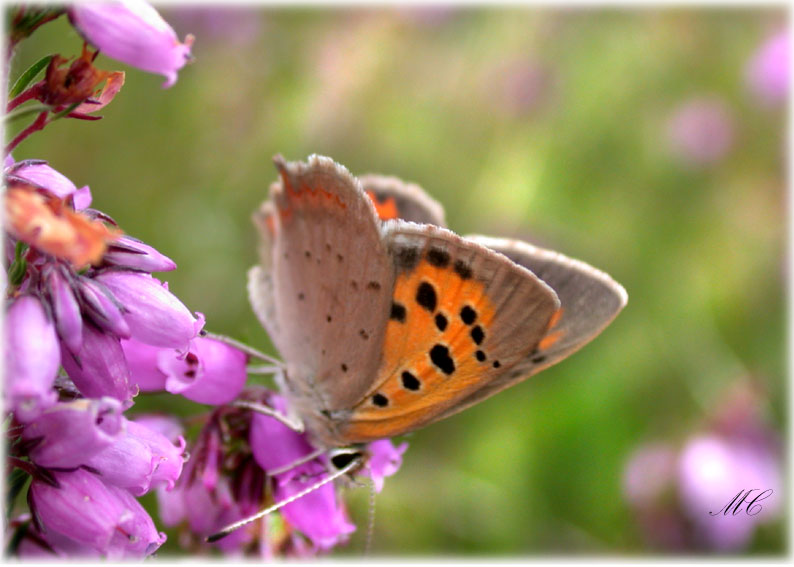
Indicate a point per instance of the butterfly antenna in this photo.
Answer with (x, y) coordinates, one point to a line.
(356, 462)
(371, 519)
(249, 350)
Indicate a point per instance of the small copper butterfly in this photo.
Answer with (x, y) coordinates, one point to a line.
(387, 321)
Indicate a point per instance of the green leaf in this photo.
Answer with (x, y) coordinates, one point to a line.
(19, 267)
(25, 78)
(16, 481)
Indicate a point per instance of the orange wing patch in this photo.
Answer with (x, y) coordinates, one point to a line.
(386, 209)
(432, 352)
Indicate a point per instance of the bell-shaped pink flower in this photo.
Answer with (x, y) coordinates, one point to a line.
(69, 434)
(32, 358)
(132, 253)
(99, 368)
(211, 372)
(132, 32)
(155, 316)
(319, 515)
(383, 459)
(142, 360)
(273, 444)
(139, 459)
(93, 513)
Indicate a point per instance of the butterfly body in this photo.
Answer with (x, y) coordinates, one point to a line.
(387, 325)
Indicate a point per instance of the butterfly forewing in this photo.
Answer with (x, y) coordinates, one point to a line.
(327, 268)
(461, 315)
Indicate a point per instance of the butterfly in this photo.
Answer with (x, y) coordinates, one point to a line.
(387, 321)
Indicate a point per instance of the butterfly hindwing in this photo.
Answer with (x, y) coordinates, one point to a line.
(461, 315)
(394, 198)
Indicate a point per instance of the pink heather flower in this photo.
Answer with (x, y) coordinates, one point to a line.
(99, 368)
(768, 70)
(142, 360)
(132, 32)
(139, 459)
(101, 516)
(319, 515)
(132, 253)
(211, 372)
(41, 546)
(711, 471)
(273, 444)
(383, 459)
(41, 175)
(649, 473)
(701, 131)
(69, 434)
(32, 358)
(155, 316)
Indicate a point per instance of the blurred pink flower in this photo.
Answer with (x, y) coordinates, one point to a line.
(701, 131)
(768, 70)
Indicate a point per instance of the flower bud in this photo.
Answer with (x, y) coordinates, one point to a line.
(131, 253)
(31, 358)
(99, 367)
(66, 309)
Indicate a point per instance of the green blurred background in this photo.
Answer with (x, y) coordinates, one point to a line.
(549, 124)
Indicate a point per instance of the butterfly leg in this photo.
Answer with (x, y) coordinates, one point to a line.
(290, 421)
(250, 351)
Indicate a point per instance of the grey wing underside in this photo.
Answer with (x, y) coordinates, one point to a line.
(323, 287)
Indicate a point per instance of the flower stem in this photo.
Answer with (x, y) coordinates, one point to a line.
(38, 124)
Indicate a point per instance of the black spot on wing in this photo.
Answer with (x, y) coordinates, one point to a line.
(462, 269)
(426, 296)
(441, 322)
(410, 381)
(477, 334)
(380, 400)
(438, 257)
(397, 312)
(406, 258)
(468, 315)
(439, 355)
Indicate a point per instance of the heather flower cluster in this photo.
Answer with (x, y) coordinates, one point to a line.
(89, 331)
(693, 495)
